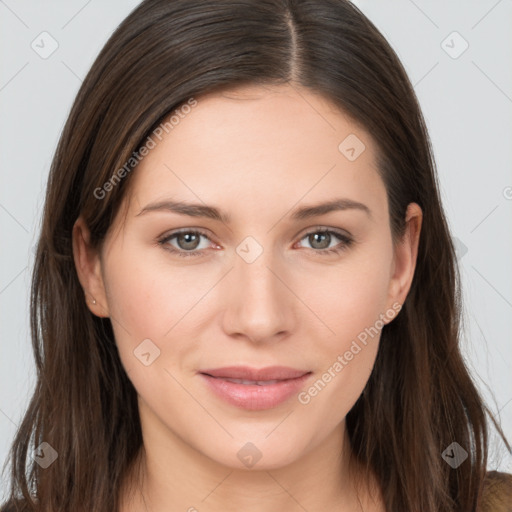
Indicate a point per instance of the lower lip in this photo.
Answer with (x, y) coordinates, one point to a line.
(253, 397)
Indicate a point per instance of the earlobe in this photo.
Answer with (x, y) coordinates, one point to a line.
(88, 268)
(405, 256)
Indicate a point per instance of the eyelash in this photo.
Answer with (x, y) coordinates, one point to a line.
(346, 242)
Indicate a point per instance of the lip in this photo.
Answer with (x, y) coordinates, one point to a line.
(255, 397)
(248, 373)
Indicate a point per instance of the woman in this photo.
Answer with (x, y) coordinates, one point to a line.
(245, 294)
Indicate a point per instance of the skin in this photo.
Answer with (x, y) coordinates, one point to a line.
(257, 153)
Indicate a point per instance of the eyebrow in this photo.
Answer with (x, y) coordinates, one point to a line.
(211, 212)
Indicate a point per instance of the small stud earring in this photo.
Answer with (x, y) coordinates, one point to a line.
(94, 301)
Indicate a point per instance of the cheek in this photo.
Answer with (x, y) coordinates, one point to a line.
(147, 301)
(352, 303)
(351, 295)
(148, 295)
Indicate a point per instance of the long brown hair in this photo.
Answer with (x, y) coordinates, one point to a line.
(419, 398)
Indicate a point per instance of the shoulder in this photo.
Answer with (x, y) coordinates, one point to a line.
(497, 493)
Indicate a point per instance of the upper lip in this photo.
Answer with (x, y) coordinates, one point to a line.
(261, 374)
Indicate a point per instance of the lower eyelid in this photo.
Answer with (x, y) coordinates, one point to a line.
(166, 241)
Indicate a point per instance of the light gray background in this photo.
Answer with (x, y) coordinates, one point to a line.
(467, 102)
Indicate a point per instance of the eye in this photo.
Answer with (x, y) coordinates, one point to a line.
(320, 241)
(187, 242)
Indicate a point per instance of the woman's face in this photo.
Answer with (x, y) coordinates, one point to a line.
(278, 281)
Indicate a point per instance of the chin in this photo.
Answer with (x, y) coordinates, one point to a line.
(256, 453)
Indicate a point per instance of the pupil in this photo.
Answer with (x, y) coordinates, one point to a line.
(190, 239)
(314, 238)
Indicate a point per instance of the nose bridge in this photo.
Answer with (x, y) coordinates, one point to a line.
(259, 304)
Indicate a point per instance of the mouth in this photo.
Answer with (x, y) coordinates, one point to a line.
(248, 382)
(254, 389)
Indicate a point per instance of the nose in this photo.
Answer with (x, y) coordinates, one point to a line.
(259, 307)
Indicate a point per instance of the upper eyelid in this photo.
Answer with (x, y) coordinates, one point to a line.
(172, 234)
(336, 231)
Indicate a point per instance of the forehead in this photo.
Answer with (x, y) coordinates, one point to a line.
(256, 143)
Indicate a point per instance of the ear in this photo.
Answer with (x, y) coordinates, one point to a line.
(405, 255)
(89, 269)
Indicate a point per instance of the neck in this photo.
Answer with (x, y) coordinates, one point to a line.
(169, 474)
